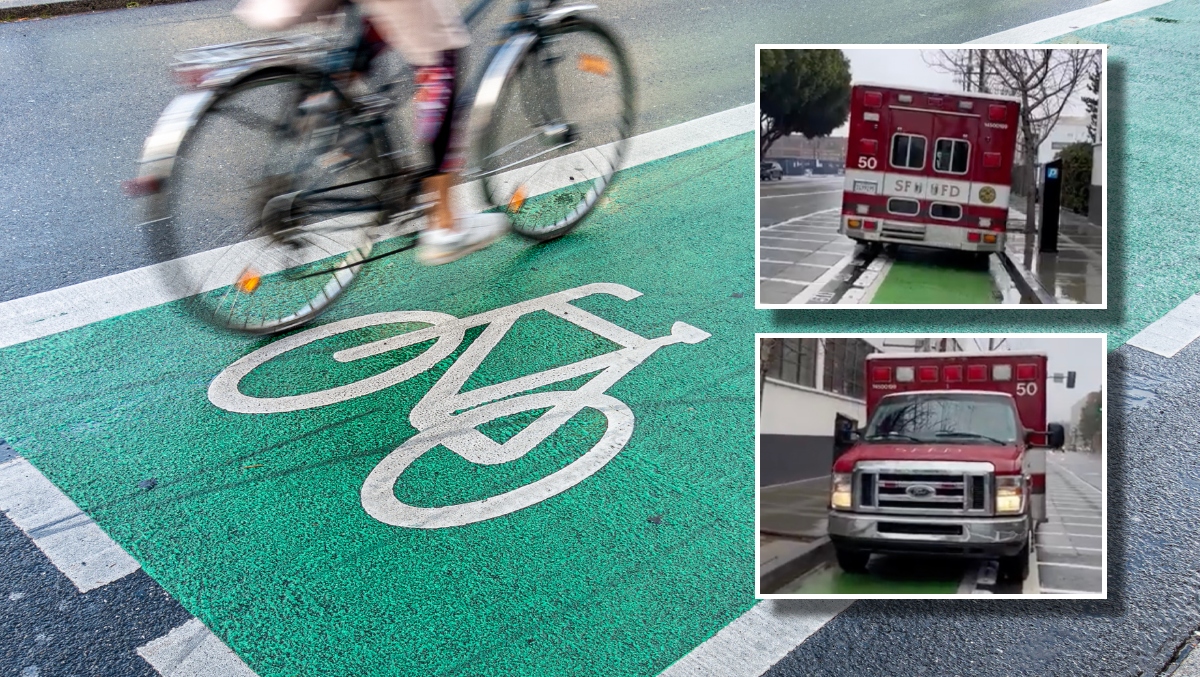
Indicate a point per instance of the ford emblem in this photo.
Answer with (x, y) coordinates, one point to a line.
(919, 491)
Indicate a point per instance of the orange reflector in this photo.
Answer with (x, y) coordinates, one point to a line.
(853, 223)
(517, 200)
(596, 65)
(989, 238)
(249, 281)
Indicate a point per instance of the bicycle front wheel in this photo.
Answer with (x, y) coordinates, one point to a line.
(238, 240)
(555, 111)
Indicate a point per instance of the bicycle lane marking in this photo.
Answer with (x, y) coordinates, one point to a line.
(257, 524)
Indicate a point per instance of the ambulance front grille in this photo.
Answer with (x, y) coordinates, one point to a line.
(924, 492)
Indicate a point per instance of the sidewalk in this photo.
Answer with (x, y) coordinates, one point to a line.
(1075, 273)
(793, 518)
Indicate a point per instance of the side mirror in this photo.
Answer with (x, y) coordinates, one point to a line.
(1056, 437)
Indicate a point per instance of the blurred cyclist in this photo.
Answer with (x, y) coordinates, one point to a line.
(430, 35)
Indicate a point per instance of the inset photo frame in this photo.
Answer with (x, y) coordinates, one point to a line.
(911, 466)
(931, 176)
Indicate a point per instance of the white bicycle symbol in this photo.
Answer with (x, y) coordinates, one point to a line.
(434, 415)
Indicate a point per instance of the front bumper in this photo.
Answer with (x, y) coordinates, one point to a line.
(974, 537)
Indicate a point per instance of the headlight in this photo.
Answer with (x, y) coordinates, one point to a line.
(1010, 494)
(839, 493)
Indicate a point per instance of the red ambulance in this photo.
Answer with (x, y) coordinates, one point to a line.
(951, 460)
(931, 169)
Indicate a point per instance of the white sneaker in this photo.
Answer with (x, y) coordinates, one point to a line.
(443, 245)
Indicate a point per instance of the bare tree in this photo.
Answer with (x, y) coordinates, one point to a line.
(1043, 79)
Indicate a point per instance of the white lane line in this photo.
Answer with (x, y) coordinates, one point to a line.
(819, 283)
(796, 219)
(750, 645)
(1053, 27)
(1072, 474)
(780, 279)
(69, 538)
(1060, 591)
(1069, 547)
(814, 192)
(65, 308)
(794, 263)
(1172, 332)
(192, 650)
(793, 239)
(790, 249)
(1070, 566)
(1044, 532)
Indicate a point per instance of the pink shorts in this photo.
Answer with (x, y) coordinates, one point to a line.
(420, 30)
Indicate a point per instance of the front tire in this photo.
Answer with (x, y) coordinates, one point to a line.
(1015, 569)
(853, 561)
(556, 134)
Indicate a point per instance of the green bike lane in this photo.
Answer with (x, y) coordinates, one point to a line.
(256, 524)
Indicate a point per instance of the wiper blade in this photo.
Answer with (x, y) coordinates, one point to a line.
(974, 436)
(890, 436)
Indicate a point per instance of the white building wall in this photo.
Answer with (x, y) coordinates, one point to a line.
(789, 409)
(1070, 129)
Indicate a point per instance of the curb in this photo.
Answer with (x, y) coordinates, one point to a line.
(1031, 289)
(818, 552)
(46, 10)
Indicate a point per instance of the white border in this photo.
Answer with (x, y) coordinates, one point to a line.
(1103, 338)
(1103, 305)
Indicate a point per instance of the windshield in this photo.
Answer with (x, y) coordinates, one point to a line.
(939, 418)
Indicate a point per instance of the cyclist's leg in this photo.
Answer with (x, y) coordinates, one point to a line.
(430, 35)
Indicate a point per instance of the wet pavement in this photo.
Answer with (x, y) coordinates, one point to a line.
(1070, 544)
(796, 509)
(1074, 274)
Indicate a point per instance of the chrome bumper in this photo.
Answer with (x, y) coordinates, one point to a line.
(981, 536)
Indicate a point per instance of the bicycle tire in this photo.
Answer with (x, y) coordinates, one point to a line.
(540, 194)
(275, 291)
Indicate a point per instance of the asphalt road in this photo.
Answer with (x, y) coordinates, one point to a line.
(81, 93)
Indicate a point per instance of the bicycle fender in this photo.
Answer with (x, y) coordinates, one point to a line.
(172, 127)
(503, 64)
(560, 14)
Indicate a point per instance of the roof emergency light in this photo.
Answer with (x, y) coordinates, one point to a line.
(927, 374)
(872, 99)
(1026, 372)
(881, 374)
(868, 146)
(952, 372)
(991, 160)
(977, 372)
(997, 112)
(904, 374)
(1002, 372)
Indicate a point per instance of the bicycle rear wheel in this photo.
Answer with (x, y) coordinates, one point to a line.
(246, 256)
(549, 142)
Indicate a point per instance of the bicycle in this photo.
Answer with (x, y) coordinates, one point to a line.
(264, 247)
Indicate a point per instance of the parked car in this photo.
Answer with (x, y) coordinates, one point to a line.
(768, 171)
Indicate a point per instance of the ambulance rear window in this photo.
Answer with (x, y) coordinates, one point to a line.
(948, 212)
(950, 156)
(908, 151)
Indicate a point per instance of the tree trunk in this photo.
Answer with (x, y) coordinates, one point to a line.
(764, 361)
